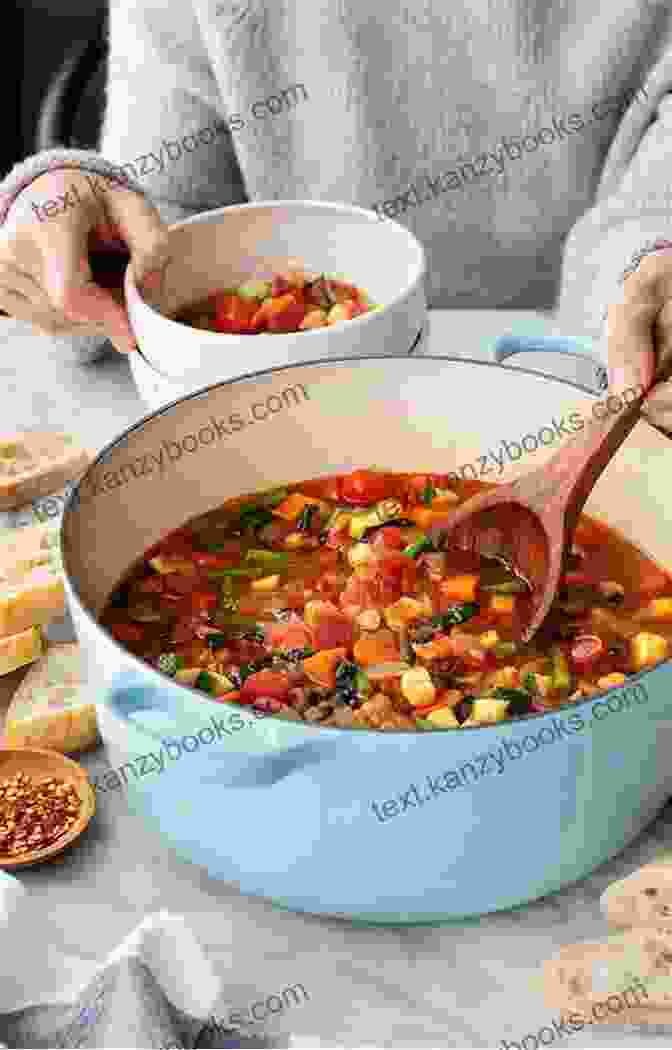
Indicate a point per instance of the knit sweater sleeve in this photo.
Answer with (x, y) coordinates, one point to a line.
(164, 133)
(632, 211)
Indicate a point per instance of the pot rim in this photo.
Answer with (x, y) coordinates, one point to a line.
(160, 679)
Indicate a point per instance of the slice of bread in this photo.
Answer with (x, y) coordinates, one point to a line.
(49, 709)
(36, 463)
(623, 979)
(643, 898)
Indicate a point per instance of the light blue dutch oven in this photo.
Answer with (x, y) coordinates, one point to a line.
(372, 826)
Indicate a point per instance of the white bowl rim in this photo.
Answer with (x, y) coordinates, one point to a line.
(222, 338)
(156, 676)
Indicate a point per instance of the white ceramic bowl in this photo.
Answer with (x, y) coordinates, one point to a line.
(222, 248)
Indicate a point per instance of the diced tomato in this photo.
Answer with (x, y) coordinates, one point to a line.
(151, 584)
(586, 650)
(203, 601)
(205, 560)
(363, 487)
(295, 599)
(246, 651)
(361, 592)
(129, 633)
(578, 579)
(653, 582)
(390, 537)
(233, 314)
(178, 583)
(338, 537)
(274, 684)
(328, 557)
(475, 659)
(282, 313)
(185, 628)
(194, 652)
(177, 544)
(333, 632)
(417, 485)
(288, 636)
(329, 585)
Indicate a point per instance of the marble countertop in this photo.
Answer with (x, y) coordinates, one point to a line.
(463, 984)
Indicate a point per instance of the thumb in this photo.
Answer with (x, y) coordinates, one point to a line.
(140, 226)
(69, 285)
(630, 335)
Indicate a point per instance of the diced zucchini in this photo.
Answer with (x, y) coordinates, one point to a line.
(648, 649)
(254, 290)
(489, 710)
(443, 718)
(504, 650)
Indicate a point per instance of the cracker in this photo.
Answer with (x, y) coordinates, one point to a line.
(643, 898)
(623, 979)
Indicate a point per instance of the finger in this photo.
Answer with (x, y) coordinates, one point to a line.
(69, 285)
(23, 282)
(630, 328)
(141, 228)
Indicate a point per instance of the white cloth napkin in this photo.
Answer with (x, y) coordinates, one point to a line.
(155, 990)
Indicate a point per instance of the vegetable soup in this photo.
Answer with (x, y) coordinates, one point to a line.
(338, 602)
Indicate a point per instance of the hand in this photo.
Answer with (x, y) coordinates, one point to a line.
(45, 272)
(639, 333)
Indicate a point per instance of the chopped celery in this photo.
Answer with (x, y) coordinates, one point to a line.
(274, 498)
(516, 586)
(276, 558)
(215, 574)
(422, 544)
(503, 650)
(561, 678)
(428, 493)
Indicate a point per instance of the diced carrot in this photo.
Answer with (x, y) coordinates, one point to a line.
(657, 609)
(202, 601)
(439, 649)
(379, 648)
(291, 507)
(321, 668)
(233, 694)
(459, 588)
(426, 517)
(502, 604)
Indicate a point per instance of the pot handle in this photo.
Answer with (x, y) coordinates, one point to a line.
(130, 693)
(581, 349)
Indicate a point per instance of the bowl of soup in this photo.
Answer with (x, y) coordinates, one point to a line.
(271, 283)
(342, 716)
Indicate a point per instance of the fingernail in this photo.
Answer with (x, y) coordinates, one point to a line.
(620, 378)
(151, 282)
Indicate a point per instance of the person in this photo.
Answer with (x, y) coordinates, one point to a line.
(525, 145)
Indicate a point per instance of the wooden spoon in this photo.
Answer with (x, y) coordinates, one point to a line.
(530, 522)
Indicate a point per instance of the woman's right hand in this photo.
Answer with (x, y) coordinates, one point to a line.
(45, 272)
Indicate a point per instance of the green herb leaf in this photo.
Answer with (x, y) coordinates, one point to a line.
(422, 544)
(205, 682)
(428, 493)
(217, 641)
(305, 518)
(253, 517)
(456, 614)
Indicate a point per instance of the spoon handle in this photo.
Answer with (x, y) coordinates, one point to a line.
(564, 483)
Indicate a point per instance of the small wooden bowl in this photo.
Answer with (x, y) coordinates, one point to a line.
(40, 764)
